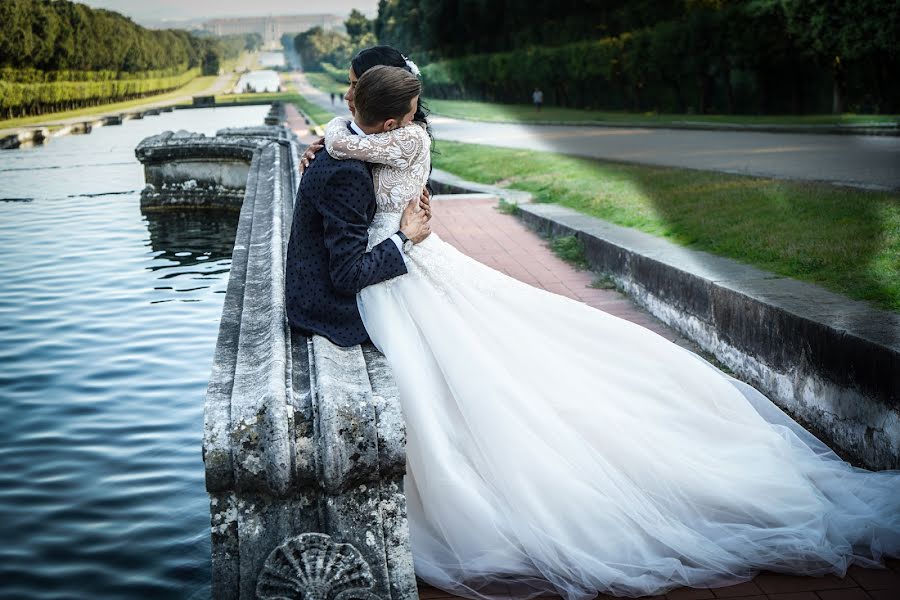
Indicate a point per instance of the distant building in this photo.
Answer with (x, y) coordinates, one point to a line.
(272, 28)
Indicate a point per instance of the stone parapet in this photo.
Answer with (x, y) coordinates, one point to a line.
(304, 441)
(831, 362)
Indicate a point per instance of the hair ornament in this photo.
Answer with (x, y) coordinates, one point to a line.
(412, 66)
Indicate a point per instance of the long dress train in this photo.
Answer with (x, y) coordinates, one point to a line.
(553, 447)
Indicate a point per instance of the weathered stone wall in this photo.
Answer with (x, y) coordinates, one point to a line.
(304, 441)
(831, 362)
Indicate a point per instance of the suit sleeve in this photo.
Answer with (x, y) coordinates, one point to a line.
(346, 235)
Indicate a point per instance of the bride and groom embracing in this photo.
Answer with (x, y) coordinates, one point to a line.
(552, 447)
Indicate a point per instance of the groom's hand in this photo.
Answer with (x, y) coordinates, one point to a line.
(310, 154)
(414, 223)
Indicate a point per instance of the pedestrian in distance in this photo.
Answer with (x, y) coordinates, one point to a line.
(538, 98)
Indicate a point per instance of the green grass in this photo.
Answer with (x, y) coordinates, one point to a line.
(844, 239)
(570, 249)
(509, 208)
(604, 282)
(326, 83)
(319, 115)
(487, 111)
(256, 98)
(314, 111)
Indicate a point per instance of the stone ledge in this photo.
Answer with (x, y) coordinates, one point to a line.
(304, 442)
(830, 361)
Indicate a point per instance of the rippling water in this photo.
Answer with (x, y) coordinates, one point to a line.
(109, 320)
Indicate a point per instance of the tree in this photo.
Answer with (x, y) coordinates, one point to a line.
(16, 40)
(254, 42)
(316, 46)
(838, 32)
(358, 25)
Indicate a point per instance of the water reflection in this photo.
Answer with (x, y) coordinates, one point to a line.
(193, 249)
(191, 237)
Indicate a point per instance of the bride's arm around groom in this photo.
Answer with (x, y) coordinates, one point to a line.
(327, 260)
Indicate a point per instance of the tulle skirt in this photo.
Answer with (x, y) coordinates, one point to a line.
(555, 448)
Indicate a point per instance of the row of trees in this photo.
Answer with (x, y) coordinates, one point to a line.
(445, 28)
(56, 54)
(320, 48)
(58, 36)
(669, 55)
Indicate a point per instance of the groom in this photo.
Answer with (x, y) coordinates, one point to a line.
(327, 261)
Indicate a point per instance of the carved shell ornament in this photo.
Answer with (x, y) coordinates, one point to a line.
(312, 566)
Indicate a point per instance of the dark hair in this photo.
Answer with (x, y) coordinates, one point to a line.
(367, 58)
(384, 93)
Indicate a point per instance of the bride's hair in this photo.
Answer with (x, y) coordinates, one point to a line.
(384, 93)
(367, 58)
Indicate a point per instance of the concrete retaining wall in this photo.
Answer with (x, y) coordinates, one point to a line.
(831, 362)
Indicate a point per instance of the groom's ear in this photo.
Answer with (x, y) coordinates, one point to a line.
(391, 124)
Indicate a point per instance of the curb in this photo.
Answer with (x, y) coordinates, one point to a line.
(831, 362)
(888, 130)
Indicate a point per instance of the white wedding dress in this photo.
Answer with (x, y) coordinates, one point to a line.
(552, 447)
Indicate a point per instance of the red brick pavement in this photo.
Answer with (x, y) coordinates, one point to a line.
(478, 229)
(475, 227)
(295, 122)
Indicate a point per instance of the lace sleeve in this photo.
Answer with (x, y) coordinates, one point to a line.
(398, 148)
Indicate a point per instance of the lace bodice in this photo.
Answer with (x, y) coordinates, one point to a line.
(402, 159)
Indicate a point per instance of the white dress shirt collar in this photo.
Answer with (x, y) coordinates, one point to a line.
(356, 128)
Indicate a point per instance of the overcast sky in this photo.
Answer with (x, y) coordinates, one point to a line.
(144, 11)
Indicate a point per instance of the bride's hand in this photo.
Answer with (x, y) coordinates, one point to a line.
(310, 154)
(414, 223)
(425, 202)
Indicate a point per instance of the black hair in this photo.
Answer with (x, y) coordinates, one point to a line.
(367, 58)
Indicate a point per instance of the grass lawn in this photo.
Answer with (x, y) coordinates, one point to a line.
(316, 113)
(256, 98)
(487, 111)
(843, 239)
(326, 83)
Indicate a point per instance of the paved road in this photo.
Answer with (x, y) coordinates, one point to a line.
(866, 161)
(863, 161)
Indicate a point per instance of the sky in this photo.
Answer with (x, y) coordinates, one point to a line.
(153, 11)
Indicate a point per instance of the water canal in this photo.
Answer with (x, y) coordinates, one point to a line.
(109, 319)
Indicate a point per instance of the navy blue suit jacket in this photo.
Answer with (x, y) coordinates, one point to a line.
(327, 262)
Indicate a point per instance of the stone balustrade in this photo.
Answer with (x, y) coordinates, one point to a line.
(304, 441)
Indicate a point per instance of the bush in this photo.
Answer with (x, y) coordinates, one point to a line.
(26, 99)
(339, 75)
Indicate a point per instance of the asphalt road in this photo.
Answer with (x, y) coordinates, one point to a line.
(860, 161)
(863, 161)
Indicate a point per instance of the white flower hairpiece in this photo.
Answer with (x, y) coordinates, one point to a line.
(412, 66)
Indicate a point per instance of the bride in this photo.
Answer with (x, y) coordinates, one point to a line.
(552, 447)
